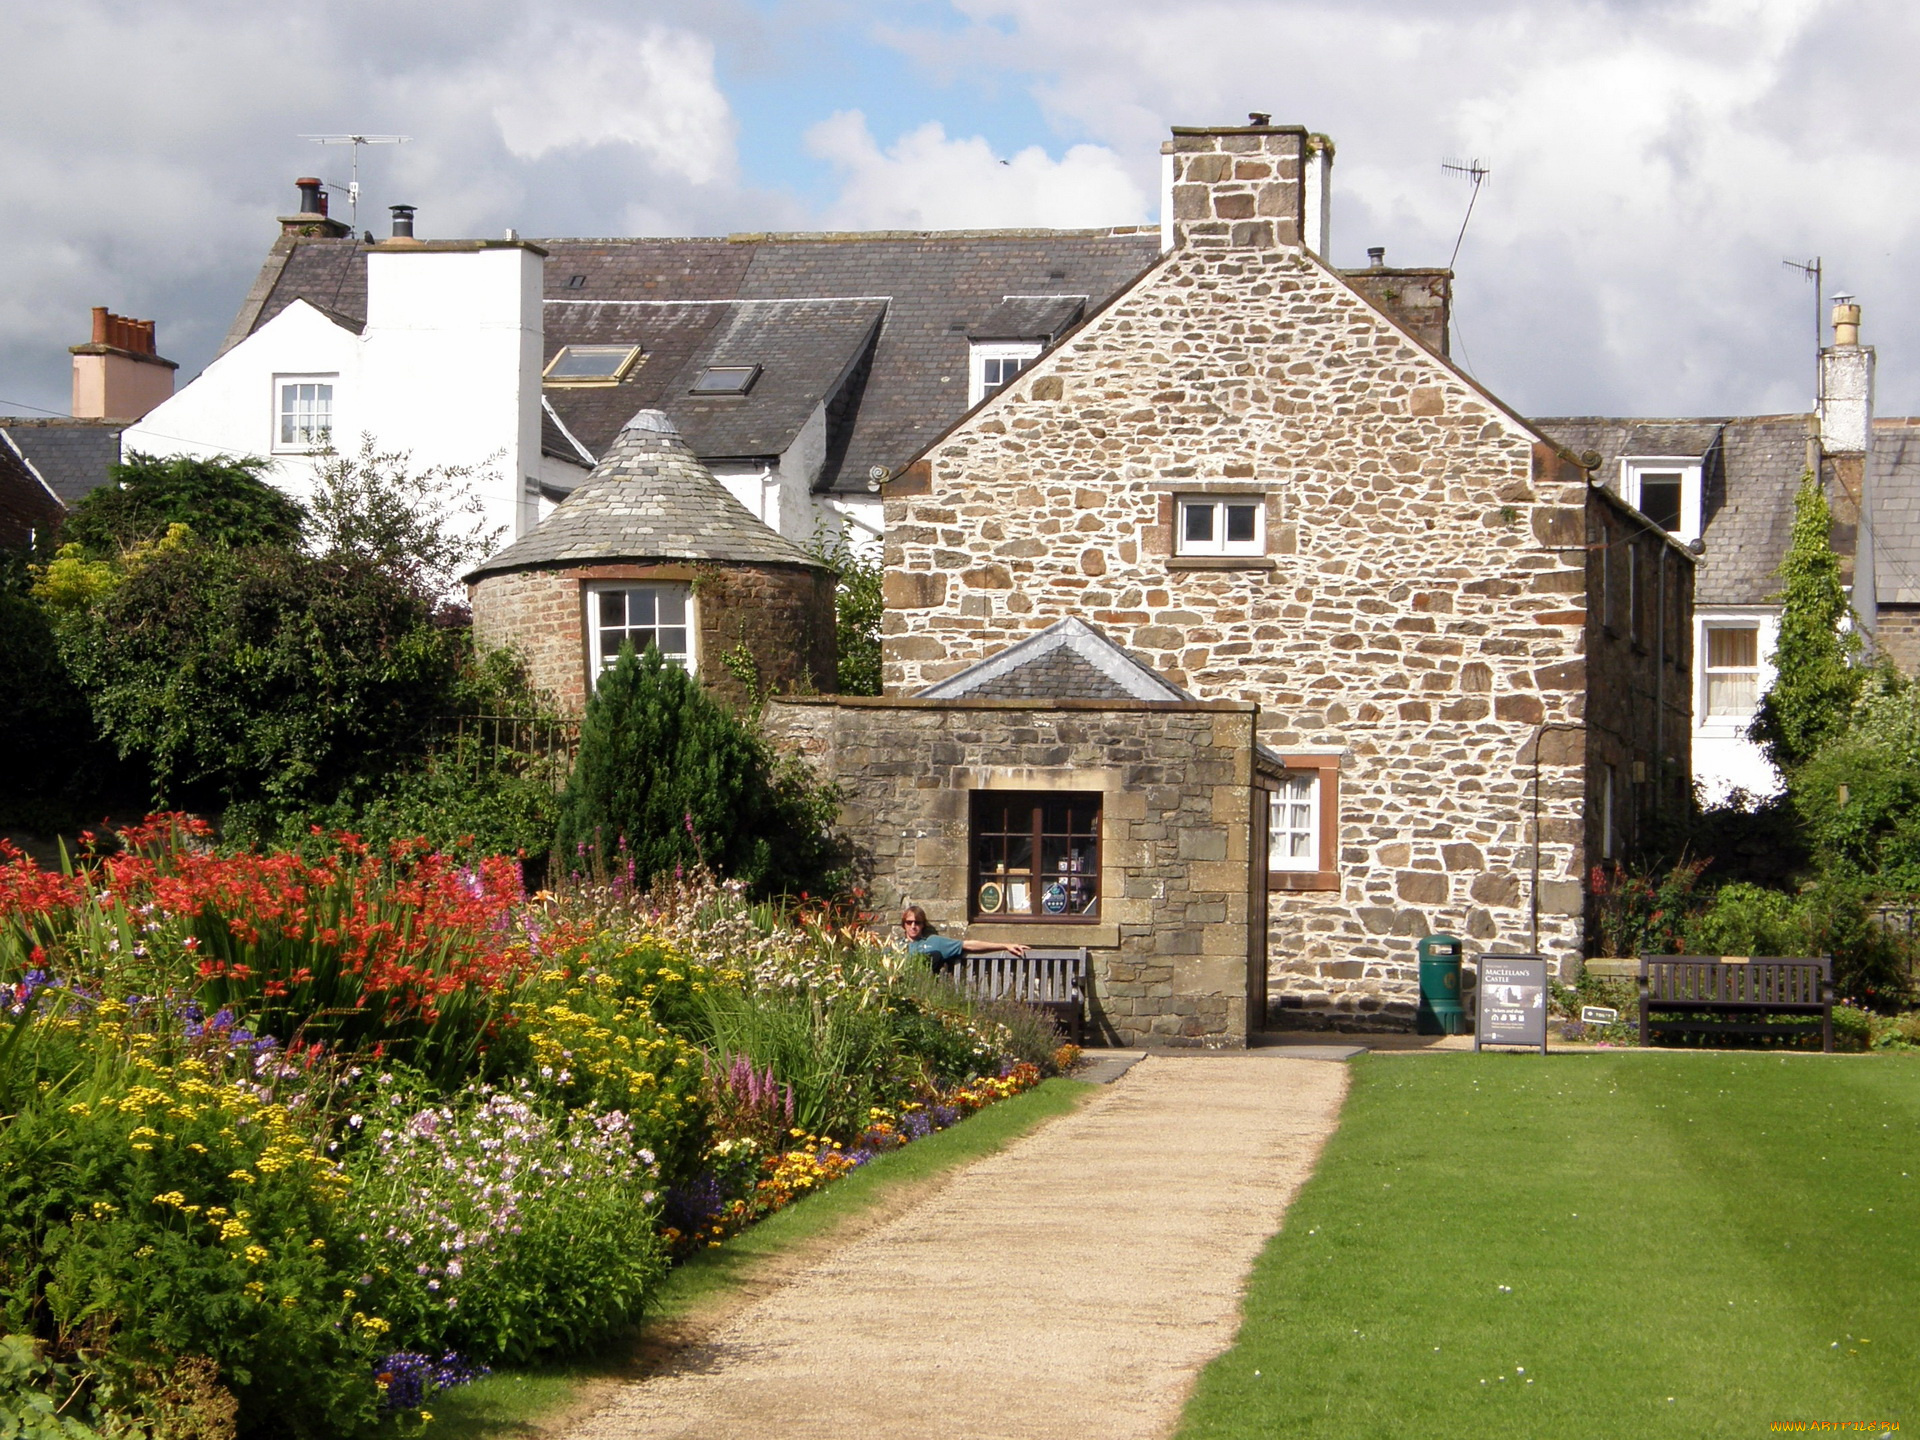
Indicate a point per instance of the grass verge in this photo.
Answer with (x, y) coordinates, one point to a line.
(1624, 1245)
(513, 1403)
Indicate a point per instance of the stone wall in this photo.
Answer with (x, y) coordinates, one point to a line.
(1897, 633)
(1639, 670)
(1172, 950)
(1421, 300)
(1420, 611)
(782, 614)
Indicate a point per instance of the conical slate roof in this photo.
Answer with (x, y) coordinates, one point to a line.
(649, 498)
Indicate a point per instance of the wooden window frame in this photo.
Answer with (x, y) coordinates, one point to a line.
(1326, 770)
(1036, 801)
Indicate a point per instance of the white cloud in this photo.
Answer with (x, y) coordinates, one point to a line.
(1652, 164)
(925, 180)
(594, 85)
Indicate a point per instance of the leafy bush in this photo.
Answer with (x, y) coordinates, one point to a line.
(1815, 681)
(498, 1230)
(667, 778)
(1637, 913)
(262, 674)
(858, 605)
(225, 502)
(46, 730)
(424, 525)
(156, 1203)
(1748, 920)
(1852, 1028)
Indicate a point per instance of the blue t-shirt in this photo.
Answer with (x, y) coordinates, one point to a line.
(941, 949)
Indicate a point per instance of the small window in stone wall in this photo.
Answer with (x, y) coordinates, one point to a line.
(1035, 855)
(1303, 825)
(640, 615)
(1217, 525)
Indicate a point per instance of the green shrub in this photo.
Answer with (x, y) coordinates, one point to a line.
(857, 609)
(225, 502)
(1852, 1027)
(160, 1211)
(1815, 680)
(667, 778)
(263, 675)
(1749, 920)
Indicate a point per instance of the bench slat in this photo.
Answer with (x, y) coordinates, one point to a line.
(1736, 984)
(1052, 980)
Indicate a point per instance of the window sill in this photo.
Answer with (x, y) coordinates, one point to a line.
(1303, 880)
(1222, 562)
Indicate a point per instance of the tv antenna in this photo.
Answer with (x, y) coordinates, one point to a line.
(356, 141)
(1811, 270)
(1477, 173)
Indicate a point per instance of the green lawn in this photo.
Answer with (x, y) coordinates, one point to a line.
(513, 1402)
(1592, 1245)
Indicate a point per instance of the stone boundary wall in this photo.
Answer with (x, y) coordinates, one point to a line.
(1170, 949)
(1420, 611)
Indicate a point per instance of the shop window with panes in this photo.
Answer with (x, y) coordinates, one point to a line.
(1036, 855)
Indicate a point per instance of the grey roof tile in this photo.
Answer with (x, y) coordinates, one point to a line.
(930, 290)
(1029, 317)
(1069, 660)
(1751, 468)
(1896, 510)
(72, 455)
(649, 498)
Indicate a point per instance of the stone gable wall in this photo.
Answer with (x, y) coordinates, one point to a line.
(1170, 950)
(1420, 609)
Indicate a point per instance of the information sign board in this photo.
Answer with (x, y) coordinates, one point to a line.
(1513, 1002)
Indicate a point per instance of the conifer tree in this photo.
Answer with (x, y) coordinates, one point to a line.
(676, 779)
(1815, 680)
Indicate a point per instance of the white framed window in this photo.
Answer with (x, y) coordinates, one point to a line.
(639, 615)
(1666, 489)
(1221, 525)
(303, 412)
(1730, 671)
(992, 367)
(1293, 823)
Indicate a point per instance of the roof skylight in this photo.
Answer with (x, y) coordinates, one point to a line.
(726, 380)
(592, 364)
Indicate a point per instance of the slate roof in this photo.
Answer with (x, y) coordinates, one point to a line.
(923, 296)
(27, 504)
(1896, 510)
(1029, 317)
(649, 498)
(71, 455)
(1751, 467)
(1069, 660)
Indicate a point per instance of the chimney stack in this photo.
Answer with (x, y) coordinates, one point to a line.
(1846, 453)
(1238, 187)
(312, 220)
(118, 374)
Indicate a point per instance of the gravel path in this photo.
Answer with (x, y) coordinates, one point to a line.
(1071, 1285)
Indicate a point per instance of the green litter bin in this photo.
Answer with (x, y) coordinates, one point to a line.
(1441, 1010)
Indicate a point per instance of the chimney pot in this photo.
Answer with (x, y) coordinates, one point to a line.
(313, 198)
(1846, 320)
(402, 221)
(1259, 117)
(1377, 256)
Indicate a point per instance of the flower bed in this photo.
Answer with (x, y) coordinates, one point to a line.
(329, 1131)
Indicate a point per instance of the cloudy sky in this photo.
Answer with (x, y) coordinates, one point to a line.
(1651, 163)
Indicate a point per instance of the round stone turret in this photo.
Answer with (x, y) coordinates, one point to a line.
(651, 548)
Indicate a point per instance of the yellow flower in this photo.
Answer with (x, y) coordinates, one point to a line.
(257, 1253)
(245, 1177)
(170, 1197)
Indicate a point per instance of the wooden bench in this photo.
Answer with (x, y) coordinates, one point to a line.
(1054, 981)
(1736, 993)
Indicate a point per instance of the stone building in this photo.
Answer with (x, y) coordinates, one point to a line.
(1061, 793)
(1257, 479)
(651, 550)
